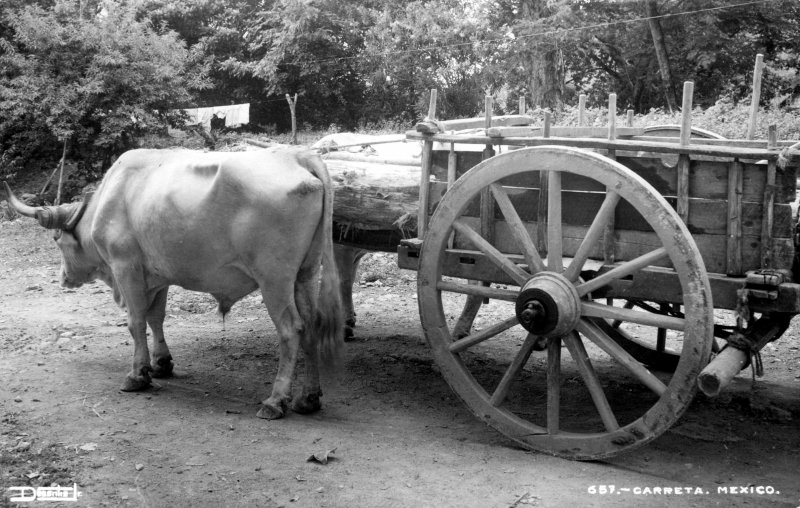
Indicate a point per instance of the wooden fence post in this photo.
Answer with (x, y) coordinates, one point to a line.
(292, 104)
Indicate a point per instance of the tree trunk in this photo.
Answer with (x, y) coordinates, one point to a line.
(547, 77)
(547, 64)
(651, 11)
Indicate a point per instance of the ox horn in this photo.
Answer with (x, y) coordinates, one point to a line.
(51, 217)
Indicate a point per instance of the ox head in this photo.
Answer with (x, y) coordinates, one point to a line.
(77, 266)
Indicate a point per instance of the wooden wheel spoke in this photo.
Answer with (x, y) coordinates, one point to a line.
(607, 344)
(518, 231)
(554, 233)
(475, 290)
(498, 258)
(598, 310)
(578, 353)
(593, 235)
(628, 305)
(478, 337)
(553, 384)
(501, 392)
(623, 270)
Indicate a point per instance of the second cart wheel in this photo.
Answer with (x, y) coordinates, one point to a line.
(595, 400)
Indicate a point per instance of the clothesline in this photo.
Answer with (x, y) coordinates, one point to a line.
(234, 115)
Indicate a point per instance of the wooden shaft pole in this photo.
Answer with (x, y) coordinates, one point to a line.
(581, 109)
(629, 120)
(522, 107)
(757, 72)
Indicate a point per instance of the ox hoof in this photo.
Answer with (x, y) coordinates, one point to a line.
(162, 367)
(349, 334)
(306, 403)
(270, 412)
(136, 383)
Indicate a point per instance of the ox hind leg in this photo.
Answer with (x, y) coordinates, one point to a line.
(308, 400)
(347, 260)
(280, 302)
(160, 358)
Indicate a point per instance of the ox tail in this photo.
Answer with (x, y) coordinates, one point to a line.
(328, 313)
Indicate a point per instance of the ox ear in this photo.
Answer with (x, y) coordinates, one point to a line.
(64, 217)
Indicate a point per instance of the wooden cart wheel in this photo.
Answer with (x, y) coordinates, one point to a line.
(586, 408)
(653, 350)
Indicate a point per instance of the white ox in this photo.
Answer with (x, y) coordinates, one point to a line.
(221, 223)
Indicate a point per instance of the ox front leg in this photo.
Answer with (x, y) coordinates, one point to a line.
(131, 284)
(290, 328)
(160, 358)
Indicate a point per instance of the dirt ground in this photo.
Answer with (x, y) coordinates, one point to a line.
(394, 432)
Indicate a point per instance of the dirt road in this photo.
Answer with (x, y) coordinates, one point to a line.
(393, 432)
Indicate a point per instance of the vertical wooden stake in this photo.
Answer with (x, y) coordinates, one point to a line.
(612, 117)
(683, 159)
(686, 113)
(425, 173)
(759, 69)
(452, 168)
(609, 241)
(769, 202)
(487, 201)
(548, 121)
(544, 183)
(629, 120)
(734, 244)
(432, 104)
(581, 110)
(522, 108)
(292, 105)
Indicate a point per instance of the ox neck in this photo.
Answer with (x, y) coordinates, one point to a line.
(83, 231)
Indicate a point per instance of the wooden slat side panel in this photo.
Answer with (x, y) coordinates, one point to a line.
(707, 179)
(707, 217)
(631, 244)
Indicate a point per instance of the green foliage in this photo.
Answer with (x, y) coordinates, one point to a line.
(101, 74)
(96, 82)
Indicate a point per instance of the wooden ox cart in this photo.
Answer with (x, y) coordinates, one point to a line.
(591, 265)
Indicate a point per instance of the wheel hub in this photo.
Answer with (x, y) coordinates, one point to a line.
(548, 305)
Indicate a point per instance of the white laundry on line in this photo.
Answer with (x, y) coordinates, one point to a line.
(234, 115)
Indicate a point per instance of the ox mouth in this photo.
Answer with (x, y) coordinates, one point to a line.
(66, 283)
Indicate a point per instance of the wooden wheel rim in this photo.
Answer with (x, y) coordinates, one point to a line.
(675, 238)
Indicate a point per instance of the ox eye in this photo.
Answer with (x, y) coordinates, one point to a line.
(57, 234)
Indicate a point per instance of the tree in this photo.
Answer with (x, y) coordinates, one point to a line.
(97, 82)
(420, 45)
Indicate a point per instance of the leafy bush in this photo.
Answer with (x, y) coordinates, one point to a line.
(95, 84)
